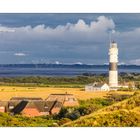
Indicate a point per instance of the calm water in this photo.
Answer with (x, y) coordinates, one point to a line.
(56, 70)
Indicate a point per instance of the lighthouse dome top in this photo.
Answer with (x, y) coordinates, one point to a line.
(113, 44)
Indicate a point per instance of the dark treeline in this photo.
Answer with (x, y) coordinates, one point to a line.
(65, 66)
(79, 80)
(53, 80)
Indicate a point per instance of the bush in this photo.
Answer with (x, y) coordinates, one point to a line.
(64, 120)
(86, 107)
(121, 118)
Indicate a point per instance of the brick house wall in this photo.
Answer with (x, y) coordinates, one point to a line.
(2, 109)
(55, 110)
(44, 113)
(31, 112)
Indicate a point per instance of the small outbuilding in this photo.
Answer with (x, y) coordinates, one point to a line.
(97, 87)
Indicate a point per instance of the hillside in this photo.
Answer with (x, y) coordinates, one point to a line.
(124, 113)
(6, 120)
(112, 110)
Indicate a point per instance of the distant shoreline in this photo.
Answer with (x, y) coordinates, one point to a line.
(65, 65)
(60, 70)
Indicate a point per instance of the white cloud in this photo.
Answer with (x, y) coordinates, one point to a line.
(6, 29)
(73, 42)
(121, 63)
(19, 54)
(102, 23)
(135, 62)
(57, 62)
(65, 32)
(79, 63)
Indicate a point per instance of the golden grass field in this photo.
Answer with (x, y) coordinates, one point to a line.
(6, 92)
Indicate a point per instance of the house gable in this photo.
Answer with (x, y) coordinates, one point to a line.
(30, 112)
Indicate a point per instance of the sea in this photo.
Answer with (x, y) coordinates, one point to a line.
(60, 70)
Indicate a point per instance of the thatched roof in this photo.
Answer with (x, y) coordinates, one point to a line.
(41, 106)
(26, 98)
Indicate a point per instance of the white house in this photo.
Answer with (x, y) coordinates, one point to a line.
(97, 87)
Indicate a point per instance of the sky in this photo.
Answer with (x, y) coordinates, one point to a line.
(68, 38)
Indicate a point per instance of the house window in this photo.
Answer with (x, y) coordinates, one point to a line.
(11, 107)
(46, 107)
(71, 99)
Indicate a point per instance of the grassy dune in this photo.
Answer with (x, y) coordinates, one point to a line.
(6, 92)
(124, 113)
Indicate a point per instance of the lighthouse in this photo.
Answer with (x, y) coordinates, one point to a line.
(113, 62)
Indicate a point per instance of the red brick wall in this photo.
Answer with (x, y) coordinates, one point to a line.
(2, 109)
(55, 110)
(31, 112)
(45, 113)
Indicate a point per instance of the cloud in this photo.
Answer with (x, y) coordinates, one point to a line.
(6, 29)
(19, 54)
(135, 62)
(82, 41)
(79, 31)
(57, 62)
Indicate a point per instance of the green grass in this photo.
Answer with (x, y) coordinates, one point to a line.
(20, 121)
(64, 85)
(125, 113)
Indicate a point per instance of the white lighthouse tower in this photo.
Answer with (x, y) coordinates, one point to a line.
(113, 61)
